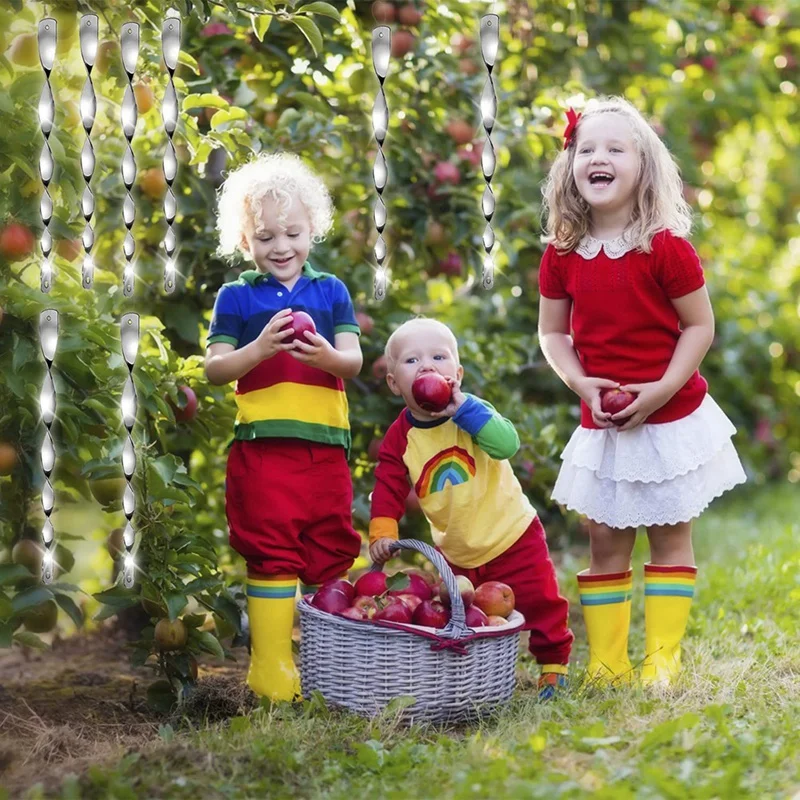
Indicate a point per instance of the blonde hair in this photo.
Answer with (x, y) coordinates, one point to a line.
(658, 201)
(414, 325)
(281, 176)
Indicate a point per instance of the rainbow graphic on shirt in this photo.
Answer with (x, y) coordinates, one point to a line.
(454, 466)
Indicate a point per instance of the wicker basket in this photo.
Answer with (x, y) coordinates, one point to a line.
(453, 674)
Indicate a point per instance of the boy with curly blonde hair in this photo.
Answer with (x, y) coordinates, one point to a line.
(288, 492)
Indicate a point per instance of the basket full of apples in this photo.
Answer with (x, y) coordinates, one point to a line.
(449, 651)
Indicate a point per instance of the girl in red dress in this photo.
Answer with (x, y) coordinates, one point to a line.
(623, 305)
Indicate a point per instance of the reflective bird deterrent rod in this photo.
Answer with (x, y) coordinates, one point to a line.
(48, 319)
(129, 335)
(129, 44)
(88, 39)
(171, 48)
(381, 50)
(490, 38)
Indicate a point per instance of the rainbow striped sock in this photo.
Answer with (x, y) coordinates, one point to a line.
(669, 581)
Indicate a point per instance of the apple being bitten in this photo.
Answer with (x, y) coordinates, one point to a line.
(431, 392)
(614, 400)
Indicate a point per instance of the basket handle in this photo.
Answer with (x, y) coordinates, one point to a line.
(456, 628)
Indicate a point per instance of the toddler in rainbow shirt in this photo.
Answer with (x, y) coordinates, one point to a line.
(457, 462)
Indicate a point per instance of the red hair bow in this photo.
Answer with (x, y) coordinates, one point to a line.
(572, 123)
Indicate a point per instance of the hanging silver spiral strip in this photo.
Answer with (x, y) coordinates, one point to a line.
(88, 37)
(129, 336)
(381, 50)
(170, 48)
(129, 44)
(47, 112)
(490, 39)
(48, 319)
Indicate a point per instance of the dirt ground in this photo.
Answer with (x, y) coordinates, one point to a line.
(81, 703)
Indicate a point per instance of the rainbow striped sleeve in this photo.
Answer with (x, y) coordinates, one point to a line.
(669, 581)
(602, 590)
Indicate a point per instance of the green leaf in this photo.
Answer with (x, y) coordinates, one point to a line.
(324, 9)
(72, 609)
(240, 724)
(187, 61)
(206, 100)
(194, 620)
(30, 598)
(176, 602)
(29, 639)
(261, 23)
(12, 572)
(226, 115)
(398, 582)
(208, 642)
(201, 584)
(399, 703)
(116, 596)
(311, 32)
(6, 634)
(6, 609)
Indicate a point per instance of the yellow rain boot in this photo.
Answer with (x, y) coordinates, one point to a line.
(270, 606)
(606, 603)
(668, 594)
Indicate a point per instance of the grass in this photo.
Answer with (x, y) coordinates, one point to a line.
(729, 729)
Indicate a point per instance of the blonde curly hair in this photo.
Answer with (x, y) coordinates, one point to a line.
(658, 201)
(280, 176)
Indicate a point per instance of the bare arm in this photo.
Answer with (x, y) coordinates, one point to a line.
(559, 350)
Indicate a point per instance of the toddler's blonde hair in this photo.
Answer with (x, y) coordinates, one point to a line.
(658, 201)
(280, 176)
(414, 325)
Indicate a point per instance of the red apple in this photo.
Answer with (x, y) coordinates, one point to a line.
(302, 323)
(447, 172)
(189, 411)
(371, 583)
(215, 29)
(465, 589)
(367, 605)
(460, 131)
(417, 586)
(431, 391)
(494, 621)
(16, 241)
(475, 618)
(411, 600)
(331, 600)
(342, 585)
(383, 11)
(462, 43)
(431, 614)
(429, 578)
(395, 611)
(614, 400)
(402, 43)
(353, 613)
(451, 265)
(495, 599)
(409, 15)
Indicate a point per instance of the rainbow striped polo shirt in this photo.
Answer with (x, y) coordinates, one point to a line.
(282, 397)
(460, 471)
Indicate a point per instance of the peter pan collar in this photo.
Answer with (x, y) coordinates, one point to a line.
(614, 248)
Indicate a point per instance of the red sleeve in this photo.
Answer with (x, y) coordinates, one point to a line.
(551, 281)
(391, 484)
(677, 265)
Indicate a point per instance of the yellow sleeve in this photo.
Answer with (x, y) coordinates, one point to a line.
(383, 528)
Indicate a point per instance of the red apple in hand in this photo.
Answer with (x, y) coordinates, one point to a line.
(465, 589)
(371, 584)
(431, 391)
(431, 614)
(495, 599)
(302, 323)
(396, 611)
(475, 618)
(614, 400)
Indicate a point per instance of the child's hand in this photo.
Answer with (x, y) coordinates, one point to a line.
(589, 390)
(457, 399)
(271, 340)
(649, 398)
(316, 351)
(379, 551)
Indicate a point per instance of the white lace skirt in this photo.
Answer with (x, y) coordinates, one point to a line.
(653, 475)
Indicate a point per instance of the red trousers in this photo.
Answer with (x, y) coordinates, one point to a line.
(526, 567)
(288, 503)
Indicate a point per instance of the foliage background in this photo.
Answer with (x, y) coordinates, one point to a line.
(719, 81)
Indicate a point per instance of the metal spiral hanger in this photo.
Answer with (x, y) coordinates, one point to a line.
(381, 50)
(88, 39)
(129, 334)
(48, 319)
(490, 38)
(171, 48)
